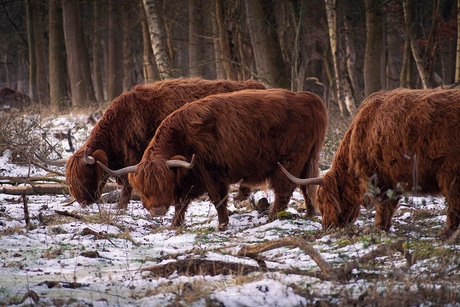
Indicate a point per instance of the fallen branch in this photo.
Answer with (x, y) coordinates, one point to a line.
(15, 180)
(46, 189)
(191, 267)
(47, 169)
(253, 251)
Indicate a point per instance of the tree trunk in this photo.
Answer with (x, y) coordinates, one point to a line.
(158, 37)
(115, 51)
(226, 57)
(416, 53)
(97, 52)
(149, 66)
(194, 41)
(457, 65)
(33, 94)
(129, 32)
(57, 64)
(373, 52)
(220, 71)
(267, 54)
(77, 56)
(343, 89)
(40, 52)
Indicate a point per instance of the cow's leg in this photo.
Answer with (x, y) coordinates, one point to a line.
(219, 199)
(384, 213)
(283, 189)
(125, 196)
(179, 215)
(449, 182)
(243, 193)
(308, 195)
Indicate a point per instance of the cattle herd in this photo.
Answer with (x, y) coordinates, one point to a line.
(178, 139)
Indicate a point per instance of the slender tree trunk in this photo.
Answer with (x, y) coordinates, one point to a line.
(220, 71)
(224, 41)
(194, 41)
(158, 37)
(416, 53)
(267, 54)
(149, 69)
(57, 64)
(457, 65)
(115, 51)
(97, 52)
(41, 57)
(33, 94)
(345, 99)
(77, 56)
(373, 52)
(129, 29)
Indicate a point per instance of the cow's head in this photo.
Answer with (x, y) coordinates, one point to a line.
(332, 202)
(155, 180)
(84, 177)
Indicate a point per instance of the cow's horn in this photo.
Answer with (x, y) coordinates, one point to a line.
(59, 162)
(120, 172)
(299, 181)
(88, 160)
(180, 163)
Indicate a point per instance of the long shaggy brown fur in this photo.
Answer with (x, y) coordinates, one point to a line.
(126, 128)
(405, 137)
(240, 135)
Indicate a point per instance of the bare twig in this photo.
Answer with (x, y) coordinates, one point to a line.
(253, 251)
(341, 273)
(47, 169)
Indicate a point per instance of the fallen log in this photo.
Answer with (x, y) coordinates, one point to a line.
(342, 273)
(15, 180)
(47, 189)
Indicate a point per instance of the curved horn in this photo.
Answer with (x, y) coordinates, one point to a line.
(120, 172)
(59, 162)
(299, 181)
(180, 163)
(88, 160)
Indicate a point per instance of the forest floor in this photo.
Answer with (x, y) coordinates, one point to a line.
(101, 256)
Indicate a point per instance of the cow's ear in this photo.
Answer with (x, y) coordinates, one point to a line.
(101, 156)
(179, 171)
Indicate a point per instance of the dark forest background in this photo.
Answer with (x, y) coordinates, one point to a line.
(78, 53)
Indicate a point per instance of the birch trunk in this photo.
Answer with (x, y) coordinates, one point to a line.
(158, 37)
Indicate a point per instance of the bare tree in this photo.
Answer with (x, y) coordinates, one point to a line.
(149, 66)
(373, 52)
(97, 51)
(31, 52)
(343, 88)
(267, 54)
(57, 64)
(153, 10)
(82, 92)
(457, 65)
(115, 50)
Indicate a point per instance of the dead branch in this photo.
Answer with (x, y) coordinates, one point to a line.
(192, 267)
(46, 189)
(341, 273)
(15, 180)
(383, 250)
(253, 251)
(47, 169)
(67, 213)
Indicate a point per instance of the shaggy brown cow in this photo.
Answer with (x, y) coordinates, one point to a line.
(120, 137)
(233, 136)
(405, 137)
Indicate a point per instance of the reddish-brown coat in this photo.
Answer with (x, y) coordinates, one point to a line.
(395, 135)
(240, 135)
(126, 128)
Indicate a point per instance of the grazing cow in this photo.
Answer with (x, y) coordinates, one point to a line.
(401, 139)
(122, 134)
(232, 137)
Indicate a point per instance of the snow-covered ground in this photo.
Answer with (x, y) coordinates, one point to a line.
(97, 256)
